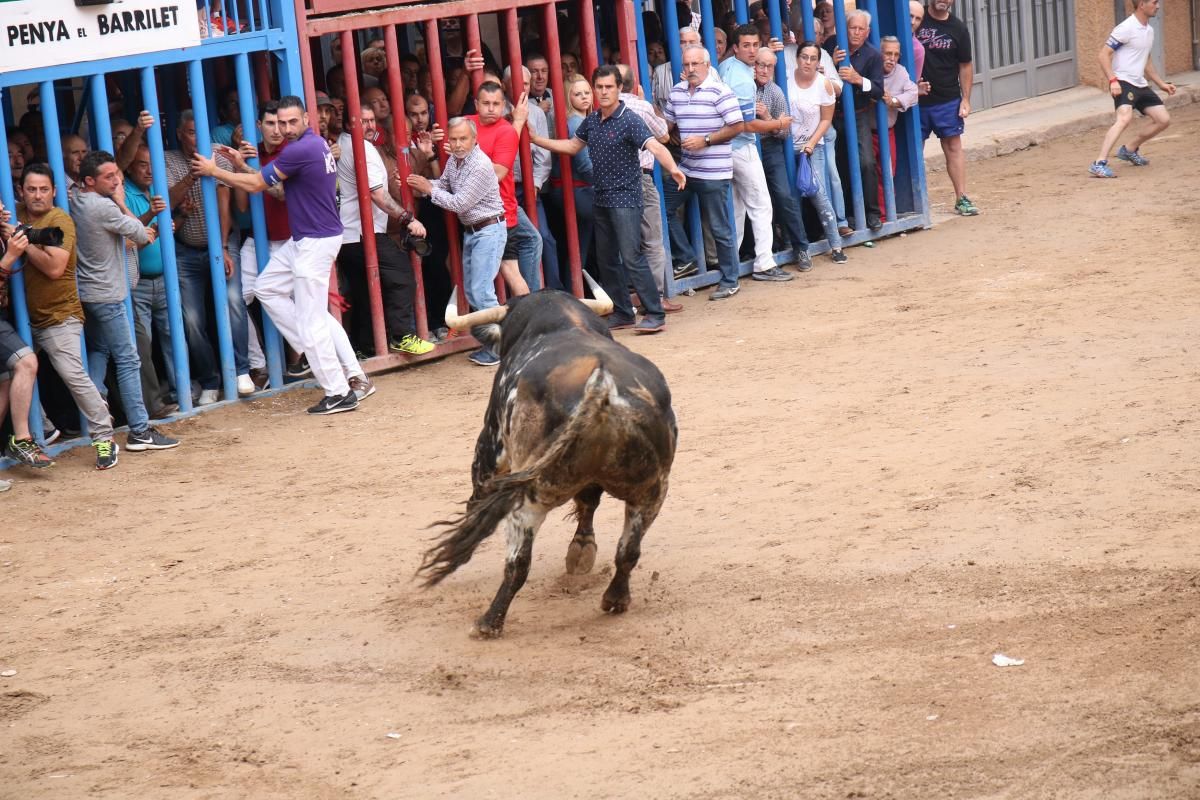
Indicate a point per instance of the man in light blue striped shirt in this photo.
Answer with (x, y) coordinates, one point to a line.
(707, 115)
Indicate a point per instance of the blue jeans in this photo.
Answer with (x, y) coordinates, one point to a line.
(150, 307)
(549, 244)
(108, 336)
(714, 208)
(833, 181)
(529, 250)
(195, 288)
(481, 263)
(619, 251)
(783, 196)
(821, 200)
(681, 246)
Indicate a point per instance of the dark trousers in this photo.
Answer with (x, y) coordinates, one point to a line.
(622, 263)
(866, 165)
(783, 195)
(395, 278)
(435, 268)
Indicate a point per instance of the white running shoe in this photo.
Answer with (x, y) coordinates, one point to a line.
(208, 397)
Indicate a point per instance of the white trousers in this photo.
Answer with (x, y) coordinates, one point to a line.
(294, 290)
(750, 196)
(258, 359)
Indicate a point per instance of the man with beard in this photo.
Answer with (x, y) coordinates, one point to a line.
(294, 287)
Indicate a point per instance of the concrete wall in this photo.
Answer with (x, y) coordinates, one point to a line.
(1094, 20)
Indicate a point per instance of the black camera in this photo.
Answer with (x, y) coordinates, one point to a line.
(47, 237)
(416, 244)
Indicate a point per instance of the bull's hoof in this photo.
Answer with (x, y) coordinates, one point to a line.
(613, 604)
(581, 557)
(482, 629)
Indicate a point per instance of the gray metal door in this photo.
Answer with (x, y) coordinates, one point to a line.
(1023, 48)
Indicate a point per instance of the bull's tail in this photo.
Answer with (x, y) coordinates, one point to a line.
(500, 496)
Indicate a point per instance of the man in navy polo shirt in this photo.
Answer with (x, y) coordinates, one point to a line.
(300, 268)
(614, 137)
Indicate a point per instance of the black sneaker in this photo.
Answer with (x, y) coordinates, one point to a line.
(839, 257)
(336, 404)
(300, 369)
(149, 439)
(106, 454)
(685, 270)
(773, 274)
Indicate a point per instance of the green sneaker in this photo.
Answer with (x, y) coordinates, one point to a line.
(411, 344)
(965, 207)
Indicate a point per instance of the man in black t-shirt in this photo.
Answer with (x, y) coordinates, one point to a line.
(949, 74)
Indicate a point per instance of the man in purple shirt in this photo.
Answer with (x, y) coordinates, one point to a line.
(300, 268)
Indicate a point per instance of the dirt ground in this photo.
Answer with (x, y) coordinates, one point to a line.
(977, 439)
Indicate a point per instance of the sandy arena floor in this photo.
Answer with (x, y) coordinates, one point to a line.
(976, 439)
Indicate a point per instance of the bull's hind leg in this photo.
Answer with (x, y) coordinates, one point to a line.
(581, 555)
(638, 519)
(522, 524)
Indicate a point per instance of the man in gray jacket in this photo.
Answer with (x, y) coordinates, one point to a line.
(102, 224)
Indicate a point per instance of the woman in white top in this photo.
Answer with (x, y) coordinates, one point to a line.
(812, 99)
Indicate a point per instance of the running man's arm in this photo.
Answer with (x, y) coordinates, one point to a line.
(1152, 74)
(966, 77)
(246, 181)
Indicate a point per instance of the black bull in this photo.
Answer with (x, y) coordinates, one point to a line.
(572, 414)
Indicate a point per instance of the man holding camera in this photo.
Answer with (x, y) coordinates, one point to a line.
(395, 271)
(18, 364)
(55, 313)
(103, 223)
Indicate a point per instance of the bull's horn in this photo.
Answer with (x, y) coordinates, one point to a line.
(486, 316)
(603, 304)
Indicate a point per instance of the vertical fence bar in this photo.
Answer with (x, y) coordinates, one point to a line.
(741, 10)
(775, 12)
(401, 142)
(550, 39)
(248, 113)
(101, 130)
(438, 79)
(54, 153)
(366, 208)
(516, 78)
(850, 122)
(16, 283)
(158, 168)
(216, 244)
(692, 210)
(638, 60)
(474, 42)
(587, 38)
(883, 133)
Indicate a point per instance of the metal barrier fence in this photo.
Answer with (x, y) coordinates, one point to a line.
(253, 45)
(229, 37)
(905, 202)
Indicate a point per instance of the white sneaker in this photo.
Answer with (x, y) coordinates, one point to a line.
(208, 397)
(245, 386)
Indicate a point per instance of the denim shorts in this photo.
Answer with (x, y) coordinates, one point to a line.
(942, 119)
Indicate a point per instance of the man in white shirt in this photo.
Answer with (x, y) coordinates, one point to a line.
(1125, 59)
(395, 272)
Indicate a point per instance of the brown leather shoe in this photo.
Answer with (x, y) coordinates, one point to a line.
(845, 230)
(671, 308)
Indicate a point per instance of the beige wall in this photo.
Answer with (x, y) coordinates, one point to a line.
(1177, 27)
(1094, 20)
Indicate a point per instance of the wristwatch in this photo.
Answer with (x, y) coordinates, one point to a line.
(708, 138)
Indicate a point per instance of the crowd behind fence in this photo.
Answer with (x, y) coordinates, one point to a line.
(385, 93)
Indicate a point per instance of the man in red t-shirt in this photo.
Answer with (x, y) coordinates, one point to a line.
(499, 141)
(278, 230)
